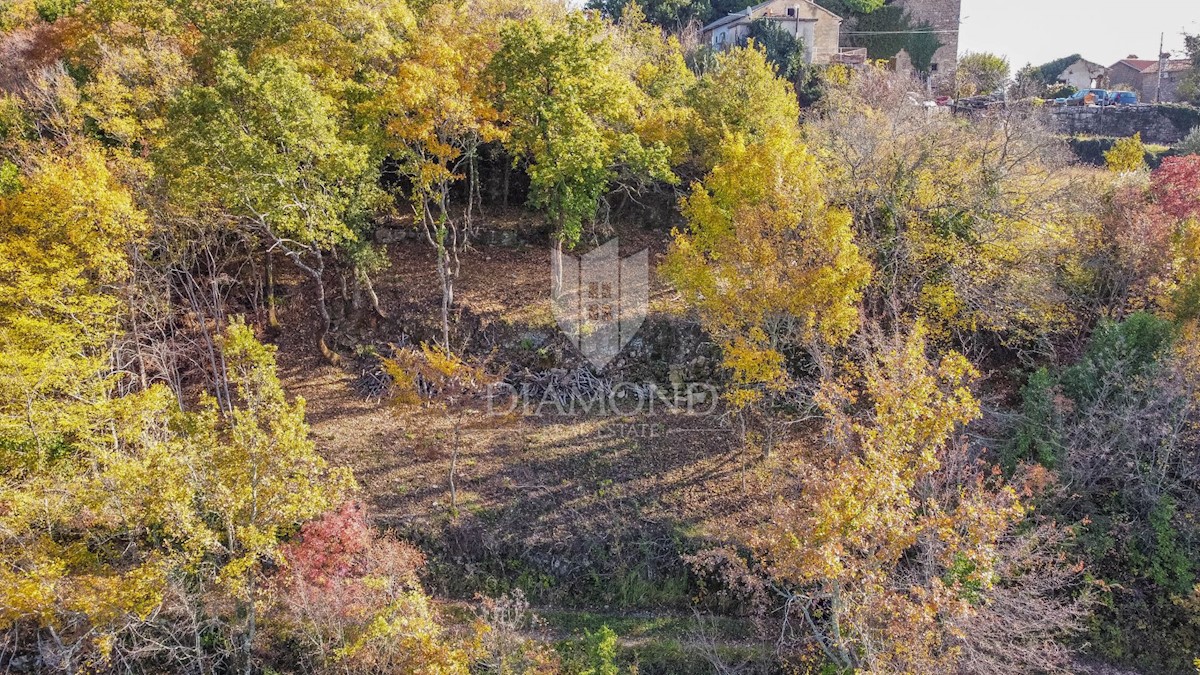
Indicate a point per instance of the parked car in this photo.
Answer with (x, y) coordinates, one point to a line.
(1085, 97)
(1120, 98)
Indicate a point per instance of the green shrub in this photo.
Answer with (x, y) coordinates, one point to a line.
(1091, 150)
(10, 178)
(1130, 348)
(1190, 145)
(600, 652)
(1061, 91)
(1038, 436)
(594, 654)
(53, 10)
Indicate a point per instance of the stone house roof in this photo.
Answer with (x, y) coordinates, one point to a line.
(1139, 65)
(1145, 66)
(760, 11)
(1173, 66)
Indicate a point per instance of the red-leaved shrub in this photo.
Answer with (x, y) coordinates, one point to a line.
(351, 597)
(1176, 186)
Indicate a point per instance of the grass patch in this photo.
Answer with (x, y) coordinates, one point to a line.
(659, 644)
(645, 627)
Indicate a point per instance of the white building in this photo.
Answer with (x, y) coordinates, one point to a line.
(1084, 74)
(818, 28)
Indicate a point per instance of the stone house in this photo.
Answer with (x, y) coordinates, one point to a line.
(1084, 74)
(818, 28)
(1142, 76)
(944, 17)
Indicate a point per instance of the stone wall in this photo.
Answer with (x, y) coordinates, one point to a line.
(1161, 124)
(945, 16)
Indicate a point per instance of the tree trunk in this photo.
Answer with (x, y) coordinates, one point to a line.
(742, 444)
(348, 304)
(447, 293)
(137, 346)
(272, 317)
(318, 273)
(454, 465)
(251, 627)
(374, 297)
(507, 173)
(326, 323)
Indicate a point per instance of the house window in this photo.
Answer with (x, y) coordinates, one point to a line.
(791, 11)
(721, 38)
(933, 68)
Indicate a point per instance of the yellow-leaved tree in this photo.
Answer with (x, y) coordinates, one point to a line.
(971, 225)
(767, 263)
(740, 94)
(571, 116)
(109, 501)
(438, 114)
(449, 384)
(895, 542)
(1126, 155)
(257, 473)
(63, 231)
(65, 522)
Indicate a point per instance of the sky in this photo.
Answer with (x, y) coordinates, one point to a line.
(1103, 31)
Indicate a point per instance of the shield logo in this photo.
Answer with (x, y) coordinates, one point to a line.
(599, 299)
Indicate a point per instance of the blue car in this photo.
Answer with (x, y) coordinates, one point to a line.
(1121, 98)
(1085, 97)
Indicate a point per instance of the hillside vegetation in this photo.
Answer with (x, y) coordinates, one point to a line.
(286, 384)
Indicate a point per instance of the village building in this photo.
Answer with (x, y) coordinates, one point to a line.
(1084, 74)
(1142, 76)
(944, 18)
(817, 28)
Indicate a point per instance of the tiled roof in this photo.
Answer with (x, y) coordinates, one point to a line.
(751, 13)
(1139, 65)
(730, 18)
(1173, 66)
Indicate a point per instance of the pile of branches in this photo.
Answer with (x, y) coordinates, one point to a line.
(373, 382)
(561, 386)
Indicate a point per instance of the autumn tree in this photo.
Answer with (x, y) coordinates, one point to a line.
(353, 592)
(432, 376)
(1175, 185)
(980, 73)
(967, 231)
(108, 497)
(263, 146)
(260, 474)
(771, 268)
(570, 116)
(740, 95)
(1143, 254)
(1136, 237)
(440, 116)
(63, 228)
(897, 542)
(1126, 155)
(656, 64)
(344, 50)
